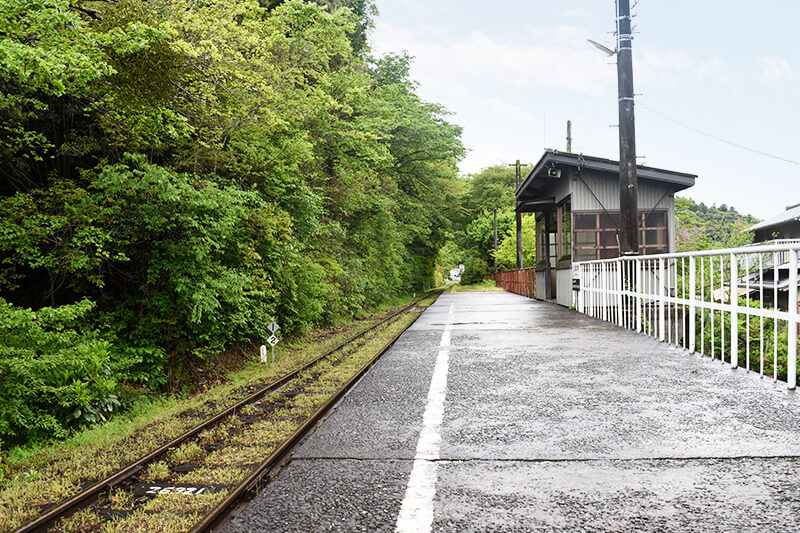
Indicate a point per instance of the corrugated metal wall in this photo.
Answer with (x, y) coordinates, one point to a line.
(539, 285)
(564, 287)
(651, 195)
(607, 191)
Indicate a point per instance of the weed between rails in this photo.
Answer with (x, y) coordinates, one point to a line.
(57, 473)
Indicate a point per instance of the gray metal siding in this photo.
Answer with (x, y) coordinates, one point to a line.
(670, 222)
(651, 196)
(564, 287)
(540, 287)
(562, 188)
(607, 192)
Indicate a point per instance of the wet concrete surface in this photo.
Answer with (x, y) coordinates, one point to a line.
(553, 422)
(642, 495)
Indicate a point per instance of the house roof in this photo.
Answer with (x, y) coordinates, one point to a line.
(791, 214)
(556, 159)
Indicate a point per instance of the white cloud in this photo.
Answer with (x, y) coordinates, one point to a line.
(564, 35)
(508, 109)
(715, 68)
(775, 69)
(576, 12)
(660, 65)
(552, 59)
(711, 67)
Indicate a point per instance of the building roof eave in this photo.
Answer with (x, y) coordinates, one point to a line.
(790, 215)
(680, 180)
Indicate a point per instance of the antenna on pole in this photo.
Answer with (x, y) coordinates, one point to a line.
(606, 50)
(544, 130)
(569, 136)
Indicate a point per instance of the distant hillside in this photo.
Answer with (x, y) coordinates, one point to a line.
(700, 227)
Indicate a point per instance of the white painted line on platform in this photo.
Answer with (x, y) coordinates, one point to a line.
(446, 335)
(416, 512)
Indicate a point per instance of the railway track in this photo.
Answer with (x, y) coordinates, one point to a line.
(195, 481)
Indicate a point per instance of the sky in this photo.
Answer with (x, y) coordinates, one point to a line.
(512, 72)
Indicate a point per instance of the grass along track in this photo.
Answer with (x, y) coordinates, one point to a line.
(57, 473)
(194, 476)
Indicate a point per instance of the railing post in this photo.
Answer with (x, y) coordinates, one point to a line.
(639, 295)
(589, 288)
(596, 284)
(662, 288)
(734, 296)
(605, 284)
(595, 291)
(791, 363)
(692, 305)
(619, 263)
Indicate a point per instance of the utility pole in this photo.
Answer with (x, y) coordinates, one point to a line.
(519, 221)
(495, 240)
(518, 166)
(569, 136)
(628, 186)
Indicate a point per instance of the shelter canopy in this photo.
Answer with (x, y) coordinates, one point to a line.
(532, 194)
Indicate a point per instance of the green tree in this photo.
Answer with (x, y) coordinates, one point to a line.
(507, 250)
(197, 169)
(699, 227)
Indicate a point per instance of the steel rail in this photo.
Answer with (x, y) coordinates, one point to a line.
(90, 494)
(222, 510)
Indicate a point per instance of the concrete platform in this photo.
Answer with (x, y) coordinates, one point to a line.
(552, 421)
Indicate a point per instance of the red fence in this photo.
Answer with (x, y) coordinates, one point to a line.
(517, 281)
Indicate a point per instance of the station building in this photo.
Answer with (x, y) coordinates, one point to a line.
(576, 202)
(774, 276)
(783, 226)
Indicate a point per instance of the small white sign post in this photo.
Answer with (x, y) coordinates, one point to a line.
(263, 354)
(273, 340)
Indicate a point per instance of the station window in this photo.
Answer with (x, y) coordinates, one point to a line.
(653, 233)
(565, 231)
(596, 234)
(546, 232)
(540, 238)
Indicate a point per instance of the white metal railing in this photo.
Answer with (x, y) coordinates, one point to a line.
(738, 305)
(781, 257)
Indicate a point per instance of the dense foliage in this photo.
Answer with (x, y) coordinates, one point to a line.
(185, 172)
(700, 227)
(52, 374)
(479, 195)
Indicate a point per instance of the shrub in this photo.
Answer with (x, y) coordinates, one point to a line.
(53, 376)
(773, 352)
(474, 271)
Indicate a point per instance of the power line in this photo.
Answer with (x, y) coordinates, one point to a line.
(720, 139)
